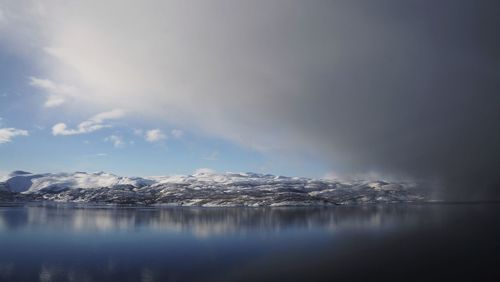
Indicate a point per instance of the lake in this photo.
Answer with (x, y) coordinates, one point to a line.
(413, 242)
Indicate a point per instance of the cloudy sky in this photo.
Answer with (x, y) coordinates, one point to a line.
(388, 88)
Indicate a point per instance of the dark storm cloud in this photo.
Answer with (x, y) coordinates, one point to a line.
(418, 94)
(414, 89)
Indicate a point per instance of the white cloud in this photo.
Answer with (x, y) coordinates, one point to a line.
(204, 171)
(94, 123)
(57, 93)
(6, 134)
(113, 114)
(177, 133)
(116, 140)
(155, 135)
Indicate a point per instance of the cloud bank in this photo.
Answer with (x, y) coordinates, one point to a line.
(406, 88)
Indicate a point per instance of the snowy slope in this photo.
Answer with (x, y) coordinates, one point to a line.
(21, 181)
(205, 189)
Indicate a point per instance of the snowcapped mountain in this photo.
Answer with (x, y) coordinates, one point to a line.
(202, 189)
(21, 181)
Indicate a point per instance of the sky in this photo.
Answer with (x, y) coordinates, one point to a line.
(386, 89)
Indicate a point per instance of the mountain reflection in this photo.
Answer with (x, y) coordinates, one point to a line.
(201, 222)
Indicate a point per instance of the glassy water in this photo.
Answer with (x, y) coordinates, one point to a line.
(390, 243)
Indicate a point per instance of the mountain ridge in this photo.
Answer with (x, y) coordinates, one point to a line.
(205, 189)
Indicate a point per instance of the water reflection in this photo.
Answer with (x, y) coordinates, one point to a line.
(394, 242)
(201, 221)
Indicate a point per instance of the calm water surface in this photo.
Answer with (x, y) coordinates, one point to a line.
(433, 242)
